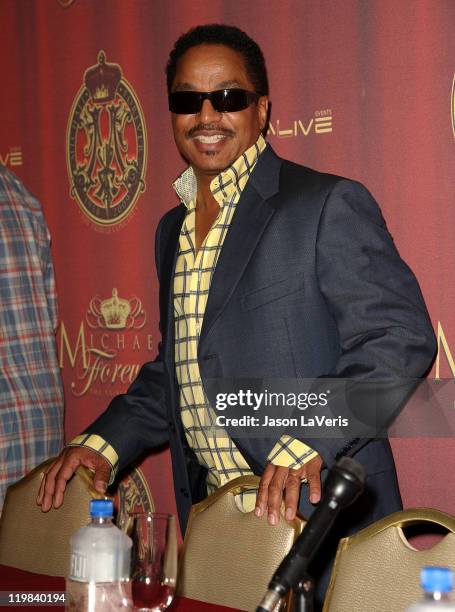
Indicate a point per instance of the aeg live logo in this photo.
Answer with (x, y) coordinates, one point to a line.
(11, 157)
(320, 123)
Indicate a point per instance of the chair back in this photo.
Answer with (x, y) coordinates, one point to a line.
(229, 556)
(378, 570)
(38, 541)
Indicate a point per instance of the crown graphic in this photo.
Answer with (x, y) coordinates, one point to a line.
(103, 79)
(115, 311)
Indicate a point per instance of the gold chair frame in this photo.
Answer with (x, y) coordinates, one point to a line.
(234, 487)
(48, 552)
(398, 520)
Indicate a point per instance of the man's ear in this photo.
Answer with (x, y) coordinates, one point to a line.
(263, 111)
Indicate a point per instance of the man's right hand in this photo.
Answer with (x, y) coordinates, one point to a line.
(53, 485)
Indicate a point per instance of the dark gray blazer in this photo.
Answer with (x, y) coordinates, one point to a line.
(308, 284)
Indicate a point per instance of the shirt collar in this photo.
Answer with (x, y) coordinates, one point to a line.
(228, 183)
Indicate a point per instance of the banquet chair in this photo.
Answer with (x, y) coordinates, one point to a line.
(378, 570)
(38, 541)
(229, 556)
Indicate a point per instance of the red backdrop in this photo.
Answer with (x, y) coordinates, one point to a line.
(363, 89)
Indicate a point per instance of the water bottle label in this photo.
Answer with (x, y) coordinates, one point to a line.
(78, 568)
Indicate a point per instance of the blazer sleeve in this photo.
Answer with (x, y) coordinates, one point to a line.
(137, 421)
(385, 334)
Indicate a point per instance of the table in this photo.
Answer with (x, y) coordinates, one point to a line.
(13, 579)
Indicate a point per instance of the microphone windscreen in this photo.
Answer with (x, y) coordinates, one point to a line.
(353, 467)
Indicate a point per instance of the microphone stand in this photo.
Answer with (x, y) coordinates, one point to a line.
(343, 485)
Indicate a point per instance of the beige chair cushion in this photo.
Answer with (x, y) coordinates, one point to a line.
(379, 571)
(38, 541)
(229, 556)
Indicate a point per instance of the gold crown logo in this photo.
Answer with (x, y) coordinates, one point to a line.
(103, 79)
(115, 311)
(101, 93)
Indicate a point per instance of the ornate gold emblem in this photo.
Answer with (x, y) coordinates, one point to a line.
(133, 495)
(115, 313)
(106, 145)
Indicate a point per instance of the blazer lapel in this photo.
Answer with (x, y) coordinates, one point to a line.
(170, 241)
(254, 211)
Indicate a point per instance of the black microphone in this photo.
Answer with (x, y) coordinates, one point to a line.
(343, 485)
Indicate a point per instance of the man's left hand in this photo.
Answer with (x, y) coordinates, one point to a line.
(278, 482)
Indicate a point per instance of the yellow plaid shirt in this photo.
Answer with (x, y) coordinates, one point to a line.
(193, 274)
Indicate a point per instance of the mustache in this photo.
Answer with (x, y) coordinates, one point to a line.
(209, 127)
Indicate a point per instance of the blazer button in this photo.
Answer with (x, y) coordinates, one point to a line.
(184, 492)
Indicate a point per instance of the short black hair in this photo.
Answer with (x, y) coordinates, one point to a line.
(229, 36)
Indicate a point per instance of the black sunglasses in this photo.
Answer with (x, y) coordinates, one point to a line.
(223, 100)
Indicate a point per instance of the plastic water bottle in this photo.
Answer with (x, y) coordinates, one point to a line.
(437, 583)
(100, 564)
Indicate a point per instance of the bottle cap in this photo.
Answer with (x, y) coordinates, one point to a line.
(101, 508)
(436, 579)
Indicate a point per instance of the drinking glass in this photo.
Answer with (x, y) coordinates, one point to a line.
(154, 560)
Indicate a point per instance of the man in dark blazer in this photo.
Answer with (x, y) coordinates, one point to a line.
(308, 284)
